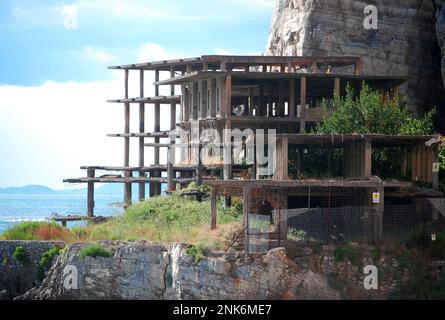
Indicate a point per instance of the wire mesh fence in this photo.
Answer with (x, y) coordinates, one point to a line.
(339, 215)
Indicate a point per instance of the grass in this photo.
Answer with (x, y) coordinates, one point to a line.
(160, 219)
(95, 251)
(32, 230)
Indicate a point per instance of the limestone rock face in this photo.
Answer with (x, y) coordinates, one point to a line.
(146, 271)
(405, 43)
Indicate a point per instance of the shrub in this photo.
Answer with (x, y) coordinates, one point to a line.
(33, 230)
(48, 256)
(20, 256)
(5, 261)
(435, 249)
(348, 253)
(95, 251)
(297, 235)
(366, 113)
(196, 251)
(417, 284)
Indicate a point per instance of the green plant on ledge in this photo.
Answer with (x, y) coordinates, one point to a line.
(348, 253)
(20, 256)
(196, 251)
(95, 251)
(47, 257)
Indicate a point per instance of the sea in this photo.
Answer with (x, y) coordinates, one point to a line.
(16, 208)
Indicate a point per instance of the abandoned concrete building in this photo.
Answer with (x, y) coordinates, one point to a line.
(347, 197)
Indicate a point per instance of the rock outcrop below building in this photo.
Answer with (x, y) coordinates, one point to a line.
(165, 272)
(406, 43)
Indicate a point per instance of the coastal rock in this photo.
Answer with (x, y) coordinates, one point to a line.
(142, 271)
(18, 277)
(406, 42)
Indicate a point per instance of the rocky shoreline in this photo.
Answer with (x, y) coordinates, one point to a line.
(147, 271)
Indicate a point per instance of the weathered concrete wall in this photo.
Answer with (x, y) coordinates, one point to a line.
(145, 271)
(17, 278)
(405, 43)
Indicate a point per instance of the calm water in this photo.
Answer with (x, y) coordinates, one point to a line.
(18, 208)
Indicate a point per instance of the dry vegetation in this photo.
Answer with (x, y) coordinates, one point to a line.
(160, 219)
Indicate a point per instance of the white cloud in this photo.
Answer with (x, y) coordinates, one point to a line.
(155, 52)
(122, 8)
(66, 16)
(70, 15)
(47, 132)
(99, 55)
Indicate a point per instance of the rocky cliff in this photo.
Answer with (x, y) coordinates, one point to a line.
(147, 271)
(406, 43)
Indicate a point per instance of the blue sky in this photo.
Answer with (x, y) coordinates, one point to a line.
(75, 40)
(54, 83)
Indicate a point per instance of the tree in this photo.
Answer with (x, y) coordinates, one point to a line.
(367, 113)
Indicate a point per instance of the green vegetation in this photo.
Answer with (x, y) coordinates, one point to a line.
(95, 251)
(47, 257)
(32, 230)
(5, 261)
(194, 187)
(297, 235)
(348, 253)
(160, 219)
(432, 249)
(414, 280)
(196, 251)
(20, 256)
(367, 113)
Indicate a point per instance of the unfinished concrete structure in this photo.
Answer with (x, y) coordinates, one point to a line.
(260, 92)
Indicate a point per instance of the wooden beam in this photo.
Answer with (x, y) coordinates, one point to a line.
(155, 188)
(303, 93)
(337, 87)
(251, 101)
(227, 138)
(90, 196)
(367, 159)
(282, 159)
(171, 152)
(261, 102)
(280, 105)
(127, 186)
(213, 208)
(358, 67)
(378, 209)
(246, 211)
(292, 98)
(314, 67)
(435, 178)
(141, 130)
